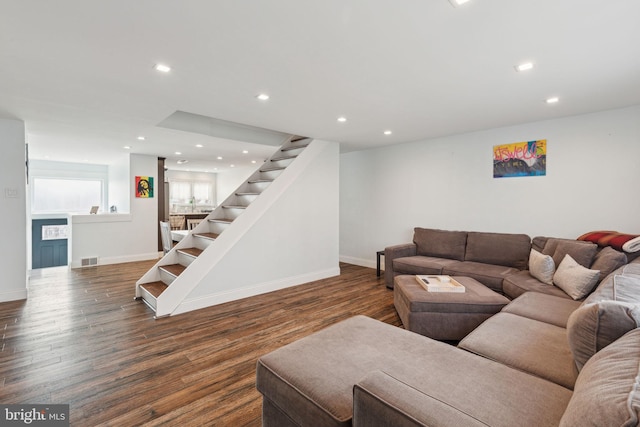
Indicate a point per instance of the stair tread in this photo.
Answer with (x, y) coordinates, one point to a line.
(234, 207)
(211, 236)
(194, 252)
(256, 181)
(173, 269)
(247, 194)
(154, 288)
(223, 220)
(273, 168)
(276, 159)
(294, 147)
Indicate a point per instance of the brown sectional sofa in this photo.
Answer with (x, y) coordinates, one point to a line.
(544, 360)
(497, 260)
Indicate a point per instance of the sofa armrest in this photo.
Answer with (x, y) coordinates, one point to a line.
(393, 252)
(381, 400)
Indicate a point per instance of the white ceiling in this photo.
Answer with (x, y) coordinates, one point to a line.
(80, 73)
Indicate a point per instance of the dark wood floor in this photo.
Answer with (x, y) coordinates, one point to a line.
(81, 339)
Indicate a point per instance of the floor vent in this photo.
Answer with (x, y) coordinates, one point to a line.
(89, 261)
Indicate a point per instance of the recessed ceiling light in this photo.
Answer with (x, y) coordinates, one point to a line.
(262, 97)
(219, 158)
(141, 138)
(127, 147)
(182, 161)
(253, 161)
(245, 152)
(525, 66)
(387, 132)
(342, 119)
(552, 100)
(162, 68)
(456, 3)
(232, 166)
(178, 153)
(199, 145)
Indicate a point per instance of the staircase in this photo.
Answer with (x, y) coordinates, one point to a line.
(168, 272)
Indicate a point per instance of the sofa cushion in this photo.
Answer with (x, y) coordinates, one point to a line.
(538, 348)
(511, 250)
(421, 265)
(440, 243)
(607, 392)
(487, 274)
(538, 243)
(520, 282)
(607, 260)
(541, 267)
(456, 393)
(626, 288)
(594, 326)
(576, 280)
(582, 252)
(543, 307)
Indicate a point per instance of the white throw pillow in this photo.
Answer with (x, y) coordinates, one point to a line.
(541, 267)
(577, 281)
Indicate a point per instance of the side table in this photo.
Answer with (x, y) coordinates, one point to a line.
(378, 254)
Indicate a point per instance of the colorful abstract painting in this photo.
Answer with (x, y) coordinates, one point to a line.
(144, 186)
(528, 158)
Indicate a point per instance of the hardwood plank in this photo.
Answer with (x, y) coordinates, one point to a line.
(81, 339)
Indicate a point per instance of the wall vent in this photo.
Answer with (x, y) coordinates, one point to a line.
(86, 262)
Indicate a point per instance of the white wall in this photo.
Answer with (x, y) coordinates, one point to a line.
(13, 245)
(229, 181)
(593, 171)
(119, 189)
(122, 237)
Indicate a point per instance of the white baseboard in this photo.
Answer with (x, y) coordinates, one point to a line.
(119, 259)
(13, 295)
(262, 288)
(362, 262)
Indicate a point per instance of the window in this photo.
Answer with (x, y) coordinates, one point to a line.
(187, 196)
(65, 195)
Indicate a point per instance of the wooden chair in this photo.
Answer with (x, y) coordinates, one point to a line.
(192, 223)
(177, 222)
(165, 233)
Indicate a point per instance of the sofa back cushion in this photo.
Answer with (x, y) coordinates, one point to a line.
(511, 250)
(607, 260)
(582, 252)
(592, 327)
(607, 391)
(440, 243)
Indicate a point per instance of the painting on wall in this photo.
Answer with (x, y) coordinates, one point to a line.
(144, 186)
(527, 158)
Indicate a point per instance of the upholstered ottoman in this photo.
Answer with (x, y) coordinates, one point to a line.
(444, 315)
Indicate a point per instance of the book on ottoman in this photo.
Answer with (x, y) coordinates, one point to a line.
(439, 283)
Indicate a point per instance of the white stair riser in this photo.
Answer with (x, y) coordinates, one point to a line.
(149, 299)
(202, 244)
(185, 259)
(166, 277)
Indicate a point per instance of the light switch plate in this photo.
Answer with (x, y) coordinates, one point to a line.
(10, 193)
